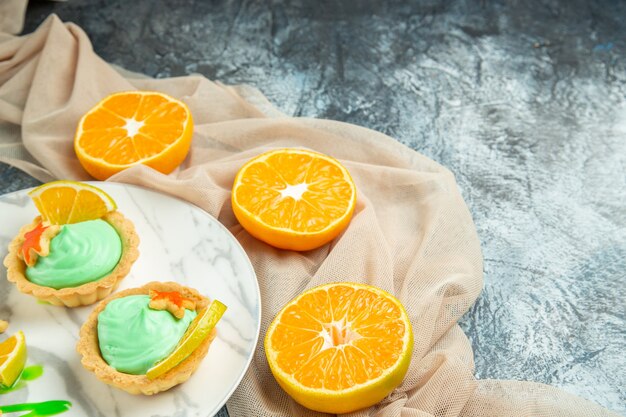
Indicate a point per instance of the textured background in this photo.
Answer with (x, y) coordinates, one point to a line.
(523, 101)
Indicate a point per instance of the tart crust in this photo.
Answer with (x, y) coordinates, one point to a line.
(84, 294)
(88, 346)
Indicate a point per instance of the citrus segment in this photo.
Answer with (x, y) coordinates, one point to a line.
(289, 336)
(134, 127)
(198, 330)
(12, 359)
(340, 347)
(293, 198)
(65, 202)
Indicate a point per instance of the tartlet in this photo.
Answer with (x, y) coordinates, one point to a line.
(87, 293)
(92, 358)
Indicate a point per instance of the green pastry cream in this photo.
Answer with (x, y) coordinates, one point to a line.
(133, 337)
(81, 253)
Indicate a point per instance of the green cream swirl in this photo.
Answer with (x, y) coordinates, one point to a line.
(81, 253)
(133, 337)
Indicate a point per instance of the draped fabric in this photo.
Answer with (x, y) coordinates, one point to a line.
(411, 233)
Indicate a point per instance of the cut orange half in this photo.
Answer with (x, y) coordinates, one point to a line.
(340, 347)
(12, 359)
(294, 198)
(64, 202)
(134, 127)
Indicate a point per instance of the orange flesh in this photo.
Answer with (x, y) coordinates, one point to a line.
(63, 205)
(6, 348)
(337, 338)
(158, 123)
(266, 191)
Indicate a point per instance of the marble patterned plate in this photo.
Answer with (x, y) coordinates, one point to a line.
(179, 242)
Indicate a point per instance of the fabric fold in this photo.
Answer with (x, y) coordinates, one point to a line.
(12, 13)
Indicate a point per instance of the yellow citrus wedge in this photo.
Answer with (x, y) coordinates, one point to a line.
(198, 330)
(338, 348)
(64, 202)
(294, 198)
(133, 127)
(12, 359)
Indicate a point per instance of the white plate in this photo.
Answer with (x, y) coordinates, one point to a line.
(179, 242)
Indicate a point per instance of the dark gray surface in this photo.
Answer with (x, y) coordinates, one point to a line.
(524, 102)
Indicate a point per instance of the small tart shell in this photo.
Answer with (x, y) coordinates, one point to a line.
(84, 294)
(88, 346)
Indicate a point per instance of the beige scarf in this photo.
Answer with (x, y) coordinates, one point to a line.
(411, 234)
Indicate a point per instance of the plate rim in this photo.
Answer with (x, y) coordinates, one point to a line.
(236, 384)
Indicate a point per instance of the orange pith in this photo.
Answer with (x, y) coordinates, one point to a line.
(135, 127)
(294, 198)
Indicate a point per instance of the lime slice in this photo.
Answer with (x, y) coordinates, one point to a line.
(64, 202)
(198, 330)
(12, 359)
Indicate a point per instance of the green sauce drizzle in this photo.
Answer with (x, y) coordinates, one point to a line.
(43, 409)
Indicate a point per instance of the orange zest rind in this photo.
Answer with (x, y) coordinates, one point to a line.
(171, 301)
(37, 243)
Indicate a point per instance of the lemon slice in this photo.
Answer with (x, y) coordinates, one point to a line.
(64, 202)
(198, 330)
(12, 359)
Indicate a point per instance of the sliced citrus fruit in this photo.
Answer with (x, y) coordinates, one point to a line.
(12, 359)
(293, 198)
(340, 347)
(133, 127)
(64, 202)
(198, 330)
